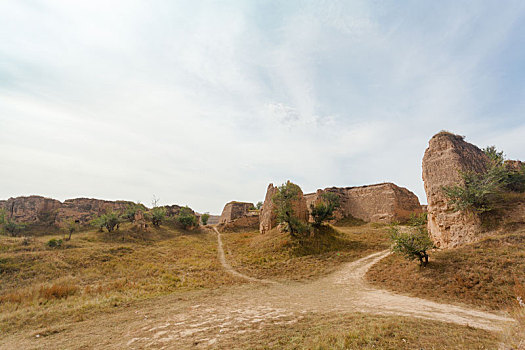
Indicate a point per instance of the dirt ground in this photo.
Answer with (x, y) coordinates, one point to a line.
(206, 319)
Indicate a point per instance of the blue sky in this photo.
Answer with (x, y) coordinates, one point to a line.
(200, 103)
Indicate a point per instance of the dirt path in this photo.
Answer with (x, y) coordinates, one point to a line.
(203, 321)
(343, 291)
(227, 266)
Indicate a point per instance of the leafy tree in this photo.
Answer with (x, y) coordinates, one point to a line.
(412, 245)
(324, 209)
(99, 222)
(478, 193)
(496, 157)
(109, 221)
(157, 215)
(71, 226)
(2, 216)
(130, 212)
(417, 219)
(481, 192)
(12, 227)
(186, 217)
(204, 218)
(259, 205)
(284, 197)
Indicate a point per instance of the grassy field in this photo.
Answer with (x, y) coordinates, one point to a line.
(484, 274)
(48, 291)
(362, 331)
(275, 255)
(96, 272)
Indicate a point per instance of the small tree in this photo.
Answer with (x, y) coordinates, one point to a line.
(479, 192)
(204, 218)
(283, 199)
(324, 209)
(186, 218)
(259, 205)
(109, 221)
(484, 191)
(157, 215)
(130, 212)
(412, 245)
(417, 219)
(496, 157)
(71, 226)
(99, 223)
(11, 227)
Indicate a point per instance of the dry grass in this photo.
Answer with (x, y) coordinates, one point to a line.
(97, 271)
(361, 331)
(482, 274)
(276, 255)
(514, 336)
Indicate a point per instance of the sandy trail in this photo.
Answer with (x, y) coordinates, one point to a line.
(204, 321)
(343, 291)
(227, 266)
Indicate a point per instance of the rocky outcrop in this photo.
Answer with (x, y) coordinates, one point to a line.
(235, 210)
(446, 156)
(268, 217)
(85, 209)
(515, 165)
(382, 203)
(32, 209)
(38, 210)
(172, 210)
(139, 222)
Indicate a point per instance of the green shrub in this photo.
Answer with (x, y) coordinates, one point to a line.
(483, 192)
(204, 218)
(54, 243)
(131, 210)
(417, 219)
(109, 221)
(259, 205)
(186, 218)
(11, 227)
(324, 209)
(71, 226)
(412, 245)
(284, 197)
(157, 214)
(496, 157)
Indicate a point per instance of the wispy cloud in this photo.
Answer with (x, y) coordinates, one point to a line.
(202, 103)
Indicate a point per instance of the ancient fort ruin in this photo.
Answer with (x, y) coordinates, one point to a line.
(382, 203)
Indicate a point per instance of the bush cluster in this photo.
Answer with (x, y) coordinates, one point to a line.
(186, 218)
(323, 210)
(283, 199)
(9, 226)
(483, 192)
(412, 245)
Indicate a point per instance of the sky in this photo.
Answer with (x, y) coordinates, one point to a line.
(203, 102)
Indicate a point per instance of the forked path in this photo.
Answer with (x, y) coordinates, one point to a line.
(346, 290)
